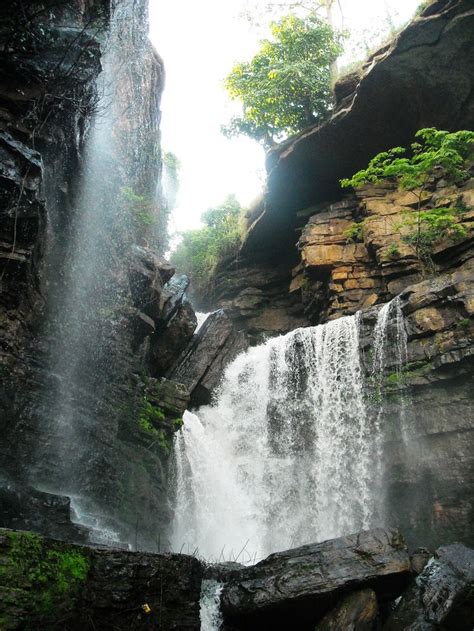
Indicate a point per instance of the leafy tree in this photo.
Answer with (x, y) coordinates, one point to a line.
(287, 85)
(200, 250)
(439, 151)
(259, 13)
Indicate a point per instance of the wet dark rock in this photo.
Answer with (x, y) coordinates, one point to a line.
(356, 612)
(418, 559)
(202, 363)
(223, 572)
(170, 342)
(116, 590)
(50, 59)
(148, 274)
(25, 508)
(442, 596)
(173, 295)
(164, 315)
(255, 294)
(298, 587)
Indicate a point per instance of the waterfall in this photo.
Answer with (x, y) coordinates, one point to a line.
(210, 613)
(286, 454)
(390, 338)
(88, 285)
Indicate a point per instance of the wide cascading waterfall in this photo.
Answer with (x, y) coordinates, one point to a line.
(286, 454)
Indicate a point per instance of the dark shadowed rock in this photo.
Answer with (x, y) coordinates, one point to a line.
(419, 559)
(442, 596)
(202, 363)
(223, 571)
(356, 612)
(106, 589)
(168, 345)
(296, 588)
(148, 274)
(25, 508)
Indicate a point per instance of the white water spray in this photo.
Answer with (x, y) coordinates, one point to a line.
(210, 613)
(286, 455)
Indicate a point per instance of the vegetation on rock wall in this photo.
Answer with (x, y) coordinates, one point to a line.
(438, 153)
(43, 582)
(201, 250)
(287, 85)
(156, 416)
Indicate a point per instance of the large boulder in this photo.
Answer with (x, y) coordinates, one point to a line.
(442, 596)
(296, 588)
(25, 508)
(201, 366)
(356, 612)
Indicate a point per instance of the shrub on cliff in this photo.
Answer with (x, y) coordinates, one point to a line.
(201, 250)
(442, 152)
(287, 85)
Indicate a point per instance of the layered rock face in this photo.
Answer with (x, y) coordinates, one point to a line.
(352, 273)
(306, 223)
(424, 78)
(84, 411)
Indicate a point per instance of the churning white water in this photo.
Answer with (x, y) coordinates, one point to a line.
(210, 612)
(287, 453)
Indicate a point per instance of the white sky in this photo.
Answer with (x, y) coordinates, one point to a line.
(200, 42)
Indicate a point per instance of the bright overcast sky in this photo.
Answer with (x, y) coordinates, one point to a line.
(200, 42)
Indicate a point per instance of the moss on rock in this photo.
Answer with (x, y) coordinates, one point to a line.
(37, 581)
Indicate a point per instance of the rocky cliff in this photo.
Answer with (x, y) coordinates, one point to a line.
(299, 264)
(423, 78)
(84, 413)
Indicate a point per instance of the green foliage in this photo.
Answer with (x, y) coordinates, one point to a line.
(141, 209)
(392, 252)
(464, 323)
(177, 424)
(431, 226)
(407, 374)
(51, 575)
(354, 234)
(439, 151)
(200, 250)
(422, 6)
(287, 85)
(171, 161)
(149, 420)
(149, 416)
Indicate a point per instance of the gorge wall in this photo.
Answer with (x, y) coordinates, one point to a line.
(298, 266)
(86, 301)
(93, 389)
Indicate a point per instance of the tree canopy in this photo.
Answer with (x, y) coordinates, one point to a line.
(287, 84)
(201, 250)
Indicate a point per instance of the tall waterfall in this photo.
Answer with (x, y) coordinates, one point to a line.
(287, 454)
(88, 285)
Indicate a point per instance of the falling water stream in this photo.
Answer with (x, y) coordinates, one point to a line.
(290, 451)
(88, 282)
